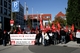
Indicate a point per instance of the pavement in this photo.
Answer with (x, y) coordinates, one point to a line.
(69, 44)
(4, 47)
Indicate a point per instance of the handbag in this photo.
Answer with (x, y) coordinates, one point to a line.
(46, 37)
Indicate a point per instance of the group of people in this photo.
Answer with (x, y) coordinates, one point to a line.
(5, 35)
(54, 37)
(45, 38)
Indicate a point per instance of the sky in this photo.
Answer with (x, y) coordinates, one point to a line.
(52, 7)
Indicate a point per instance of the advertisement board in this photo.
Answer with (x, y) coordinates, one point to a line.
(22, 39)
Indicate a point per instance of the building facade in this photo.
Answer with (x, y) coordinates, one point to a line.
(20, 17)
(35, 19)
(61, 15)
(5, 15)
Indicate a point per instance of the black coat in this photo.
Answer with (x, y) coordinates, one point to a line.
(62, 33)
(38, 35)
(5, 36)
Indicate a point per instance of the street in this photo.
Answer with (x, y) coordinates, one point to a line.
(38, 49)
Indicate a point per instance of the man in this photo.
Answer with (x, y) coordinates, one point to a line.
(38, 36)
(63, 35)
(4, 38)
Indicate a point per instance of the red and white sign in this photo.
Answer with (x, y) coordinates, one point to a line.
(11, 22)
(22, 39)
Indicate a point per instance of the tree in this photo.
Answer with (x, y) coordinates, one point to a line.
(60, 20)
(73, 13)
(29, 22)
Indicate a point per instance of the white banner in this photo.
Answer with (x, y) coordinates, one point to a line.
(22, 39)
(77, 34)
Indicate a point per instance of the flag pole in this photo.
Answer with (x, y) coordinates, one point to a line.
(32, 17)
(37, 18)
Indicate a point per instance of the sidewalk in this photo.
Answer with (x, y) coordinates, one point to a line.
(4, 47)
(70, 44)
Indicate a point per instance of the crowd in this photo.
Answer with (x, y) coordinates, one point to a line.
(42, 37)
(5, 35)
(54, 37)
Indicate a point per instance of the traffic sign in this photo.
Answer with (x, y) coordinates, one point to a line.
(11, 22)
(15, 6)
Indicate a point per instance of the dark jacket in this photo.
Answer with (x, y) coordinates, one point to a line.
(4, 36)
(38, 35)
(62, 33)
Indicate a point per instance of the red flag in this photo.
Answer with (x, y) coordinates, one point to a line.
(36, 27)
(44, 29)
(66, 29)
(48, 28)
(41, 26)
(72, 27)
(58, 24)
(71, 36)
(53, 28)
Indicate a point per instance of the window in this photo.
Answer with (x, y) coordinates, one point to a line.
(9, 6)
(0, 2)
(46, 23)
(5, 11)
(36, 17)
(0, 18)
(9, 1)
(9, 13)
(1, 10)
(5, 4)
(47, 16)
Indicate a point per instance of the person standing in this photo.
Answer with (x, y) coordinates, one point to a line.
(4, 38)
(63, 35)
(1, 34)
(38, 36)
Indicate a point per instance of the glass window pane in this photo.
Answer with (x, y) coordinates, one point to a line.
(5, 11)
(9, 6)
(0, 18)
(0, 2)
(9, 13)
(5, 4)
(1, 10)
(9, 0)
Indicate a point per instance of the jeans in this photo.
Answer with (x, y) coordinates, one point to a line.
(63, 40)
(4, 42)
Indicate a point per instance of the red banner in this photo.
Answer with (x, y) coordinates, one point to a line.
(72, 27)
